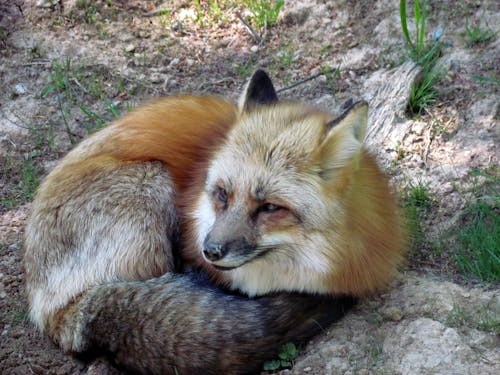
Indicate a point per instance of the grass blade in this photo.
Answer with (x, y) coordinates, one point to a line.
(422, 26)
(404, 26)
(416, 17)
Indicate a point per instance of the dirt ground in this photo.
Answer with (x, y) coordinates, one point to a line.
(68, 67)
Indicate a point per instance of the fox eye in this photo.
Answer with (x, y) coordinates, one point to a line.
(222, 195)
(269, 207)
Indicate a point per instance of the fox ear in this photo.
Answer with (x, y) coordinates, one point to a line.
(259, 90)
(342, 143)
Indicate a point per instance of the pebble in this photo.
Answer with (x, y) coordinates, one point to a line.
(393, 314)
(174, 62)
(20, 89)
(176, 26)
(130, 48)
(46, 3)
(156, 78)
(254, 48)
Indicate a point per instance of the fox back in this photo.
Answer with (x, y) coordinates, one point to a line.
(294, 201)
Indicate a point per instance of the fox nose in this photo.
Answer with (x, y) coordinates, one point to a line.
(213, 251)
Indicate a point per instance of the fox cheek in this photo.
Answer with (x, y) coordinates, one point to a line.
(205, 218)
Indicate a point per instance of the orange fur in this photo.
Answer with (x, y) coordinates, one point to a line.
(373, 222)
(181, 131)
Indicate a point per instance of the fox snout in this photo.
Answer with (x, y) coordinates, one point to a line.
(214, 251)
(226, 254)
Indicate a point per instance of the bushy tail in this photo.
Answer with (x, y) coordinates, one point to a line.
(179, 324)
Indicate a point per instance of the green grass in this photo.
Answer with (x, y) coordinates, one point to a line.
(476, 35)
(486, 318)
(419, 50)
(74, 85)
(477, 249)
(23, 182)
(286, 358)
(264, 12)
(94, 13)
(245, 68)
(94, 121)
(425, 53)
(20, 316)
(423, 91)
(416, 203)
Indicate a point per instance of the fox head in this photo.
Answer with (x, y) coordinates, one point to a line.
(276, 212)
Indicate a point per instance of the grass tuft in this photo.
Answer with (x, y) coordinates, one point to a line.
(477, 250)
(416, 203)
(423, 91)
(286, 358)
(476, 35)
(485, 318)
(264, 12)
(419, 50)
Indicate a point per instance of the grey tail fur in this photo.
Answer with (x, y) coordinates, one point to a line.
(179, 324)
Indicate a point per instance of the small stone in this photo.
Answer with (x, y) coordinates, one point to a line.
(297, 16)
(20, 89)
(46, 3)
(189, 62)
(393, 314)
(254, 48)
(130, 48)
(176, 26)
(174, 62)
(307, 369)
(156, 78)
(14, 246)
(16, 333)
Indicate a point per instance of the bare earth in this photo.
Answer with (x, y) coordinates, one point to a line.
(66, 69)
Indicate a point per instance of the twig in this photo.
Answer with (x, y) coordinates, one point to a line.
(154, 12)
(212, 83)
(254, 34)
(7, 139)
(300, 82)
(37, 63)
(70, 133)
(79, 85)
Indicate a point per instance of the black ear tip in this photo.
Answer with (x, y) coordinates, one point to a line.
(350, 104)
(260, 90)
(347, 108)
(260, 74)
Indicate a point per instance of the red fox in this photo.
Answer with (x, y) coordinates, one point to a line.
(274, 200)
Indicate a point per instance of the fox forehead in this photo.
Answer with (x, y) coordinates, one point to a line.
(278, 139)
(285, 132)
(270, 154)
